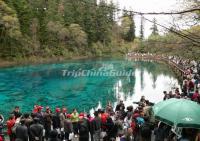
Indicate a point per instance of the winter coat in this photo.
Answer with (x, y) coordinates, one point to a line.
(10, 124)
(22, 132)
(68, 127)
(36, 132)
(56, 121)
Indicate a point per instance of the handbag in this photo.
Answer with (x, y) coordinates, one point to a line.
(103, 134)
(71, 136)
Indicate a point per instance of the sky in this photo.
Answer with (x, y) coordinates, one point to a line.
(150, 6)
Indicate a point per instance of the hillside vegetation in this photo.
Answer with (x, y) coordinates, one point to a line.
(62, 28)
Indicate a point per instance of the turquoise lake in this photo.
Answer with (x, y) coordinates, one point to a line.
(83, 84)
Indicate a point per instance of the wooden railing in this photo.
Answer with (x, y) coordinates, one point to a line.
(176, 67)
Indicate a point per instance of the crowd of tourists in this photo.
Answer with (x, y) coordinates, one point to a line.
(122, 124)
(118, 123)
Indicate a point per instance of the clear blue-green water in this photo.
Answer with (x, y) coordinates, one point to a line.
(57, 84)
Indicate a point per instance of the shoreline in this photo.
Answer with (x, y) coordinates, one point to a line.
(36, 61)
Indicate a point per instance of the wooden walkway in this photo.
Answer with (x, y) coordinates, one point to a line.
(177, 68)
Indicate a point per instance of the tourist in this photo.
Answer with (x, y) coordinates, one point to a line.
(128, 116)
(96, 126)
(109, 126)
(147, 109)
(53, 136)
(159, 132)
(185, 87)
(103, 116)
(83, 128)
(56, 120)
(134, 127)
(195, 96)
(190, 86)
(118, 129)
(75, 119)
(121, 104)
(89, 117)
(39, 114)
(68, 127)
(171, 95)
(142, 99)
(27, 120)
(166, 96)
(22, 131)
(145, 130)
(10, 123)
(47, 122)
(63, 115)
(121, 114)
(109, 108)
(17, 112)
(36, 130)
(177, 93)
(35, 108)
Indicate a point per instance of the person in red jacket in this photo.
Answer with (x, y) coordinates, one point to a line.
(195, 96)
(104, 117)
(1, 139)
(10, 123)
(135, 129)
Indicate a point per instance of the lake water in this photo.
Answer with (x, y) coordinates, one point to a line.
(83, 84)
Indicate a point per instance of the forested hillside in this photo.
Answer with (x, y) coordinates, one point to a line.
(62, 28)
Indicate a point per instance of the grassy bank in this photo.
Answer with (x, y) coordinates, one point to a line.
(36, 60)
(43, 60)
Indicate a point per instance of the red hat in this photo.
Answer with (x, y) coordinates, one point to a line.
(39, 107)
(81, 115)
(68, 115)
(57, 110)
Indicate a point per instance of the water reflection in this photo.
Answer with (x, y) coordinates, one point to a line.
(150, 80)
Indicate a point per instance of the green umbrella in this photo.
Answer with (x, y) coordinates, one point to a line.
(178, 112)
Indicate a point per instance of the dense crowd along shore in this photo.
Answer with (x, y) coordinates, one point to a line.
(110, 123)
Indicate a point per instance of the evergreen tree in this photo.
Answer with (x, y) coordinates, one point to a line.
(154, 28)
(142, 28)
(131, 32)
(128, 27)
